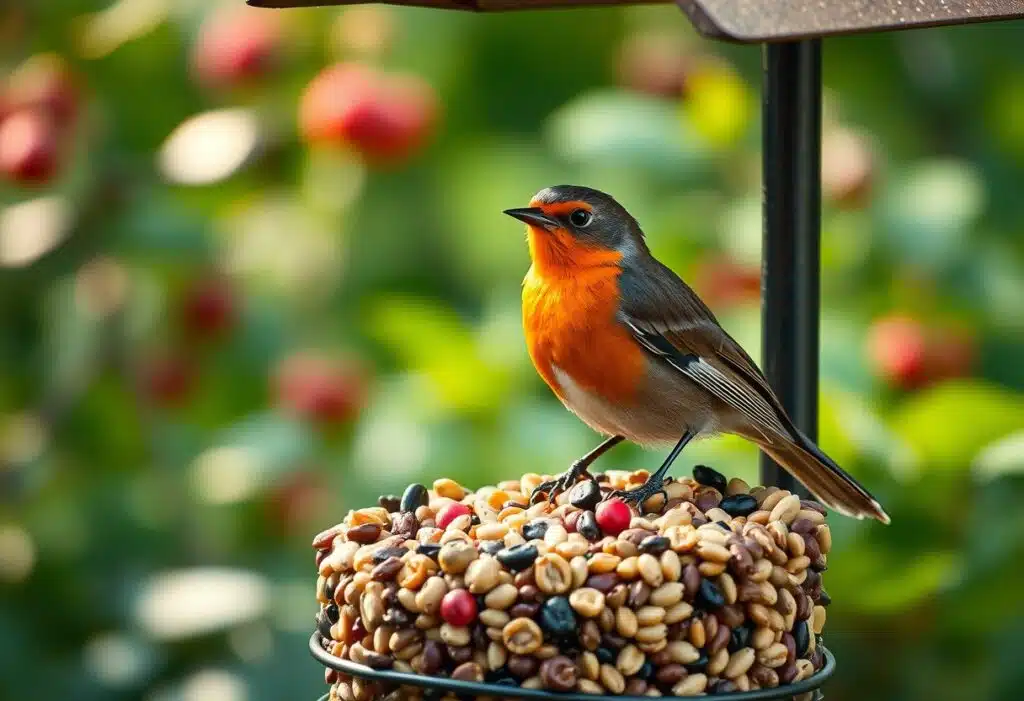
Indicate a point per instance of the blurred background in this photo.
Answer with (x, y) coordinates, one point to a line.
(254, 272)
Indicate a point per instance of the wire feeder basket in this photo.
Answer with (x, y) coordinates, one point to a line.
(475, 689)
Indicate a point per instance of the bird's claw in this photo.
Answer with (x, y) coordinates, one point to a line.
(563, 483)
(641, 494)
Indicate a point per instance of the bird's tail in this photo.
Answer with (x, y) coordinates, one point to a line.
(827, 481)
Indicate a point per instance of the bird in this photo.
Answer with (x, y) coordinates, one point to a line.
(635, 353)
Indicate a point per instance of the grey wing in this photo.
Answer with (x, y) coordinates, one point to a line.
(671, 322)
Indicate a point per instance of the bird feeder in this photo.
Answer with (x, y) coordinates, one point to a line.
(790, 33)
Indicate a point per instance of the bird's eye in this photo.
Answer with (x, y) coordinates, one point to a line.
(580, 217)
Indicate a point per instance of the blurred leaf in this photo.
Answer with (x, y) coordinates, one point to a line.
(948, 424)
(1003, 457)
(927, 212)
(430, 339)
(878, 582)
(626, 130)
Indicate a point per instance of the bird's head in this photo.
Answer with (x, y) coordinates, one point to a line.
(571, 227)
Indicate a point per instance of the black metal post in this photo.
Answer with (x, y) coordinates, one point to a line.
(791, 273)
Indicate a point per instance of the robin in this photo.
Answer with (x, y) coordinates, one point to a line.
(634, 352)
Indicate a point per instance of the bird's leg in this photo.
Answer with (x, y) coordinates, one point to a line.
(653, 484)
(565, 481)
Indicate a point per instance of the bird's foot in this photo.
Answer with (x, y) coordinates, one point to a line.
(563, 483)
(653, 485)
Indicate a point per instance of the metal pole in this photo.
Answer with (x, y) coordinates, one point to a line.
(791, 274)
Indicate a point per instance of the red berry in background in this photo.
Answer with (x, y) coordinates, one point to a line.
(237, 45)
(320, 389)
(449, 513)
(208, 309)
(653, 64)
(167, 379)
(723, 282)
(847, 168)
(45, 83)
(898, 350)
(385, 117)
(613, 516)
(29, 147)
(458, 608)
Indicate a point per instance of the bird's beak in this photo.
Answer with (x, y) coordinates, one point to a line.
(534, 216)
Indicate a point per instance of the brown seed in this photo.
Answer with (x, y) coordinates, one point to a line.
(667, 594)
(628, 569)
(405, 524)
(501, 597)
(387, 570)
(650, 615)
(719, 640)
(460, 654)
(493, 618)
(636, 687)
(365, 533)
(588, 665)
(670, 675)
(612, 679)
(818, 619)
(587, 602)
(602, 582)
(717, 662)
(590, 635)
(618, 596)
(602, 563)
(524, 609)
(449, 489)
(456, 555)
(468, 672)
(739, 663)
(731, 616)
(522, 666)
(692, 685)
(772, 656)
(823, 534)
(482, 575)
(630, 660)
(428, 599)
(639, 593)
(559, 673)
(522, 636)
(691, 581)
(654, 633)
(455, 635)
(625, 622)
(650, 570)
(677, 612)
(530, 593)
(553, 574)
(787, 673)
(698, 634)
(765, 677)
(682, 652)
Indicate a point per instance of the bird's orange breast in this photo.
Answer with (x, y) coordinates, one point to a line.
(570, 324)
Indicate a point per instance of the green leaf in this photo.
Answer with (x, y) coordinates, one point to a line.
(882, 582)
(928, 213)
(608, 127)
(1003, 457)
(948, 424)
(432, 340)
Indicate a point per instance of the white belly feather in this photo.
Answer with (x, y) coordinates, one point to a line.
(661, 418)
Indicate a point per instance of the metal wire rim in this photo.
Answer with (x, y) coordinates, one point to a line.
(483, 689)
